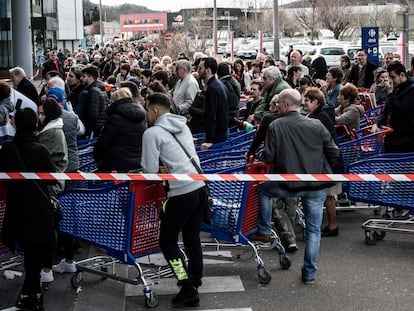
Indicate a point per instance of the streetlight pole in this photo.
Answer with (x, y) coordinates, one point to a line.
(276, 46)
(228, 23)
(215, 29)
(100, 21)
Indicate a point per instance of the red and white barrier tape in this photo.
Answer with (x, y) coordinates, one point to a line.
(206, 177)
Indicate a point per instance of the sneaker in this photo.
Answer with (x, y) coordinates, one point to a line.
(64, 267)
(30, 302)
(46, 277)
(326, 232)
(289, 243)
(263, 239)
(187, 297)
(307, 281)
(292, 247)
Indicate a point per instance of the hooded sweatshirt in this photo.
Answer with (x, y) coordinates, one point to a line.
(159, 145)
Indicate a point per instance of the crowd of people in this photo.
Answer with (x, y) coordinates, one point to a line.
(142, 109)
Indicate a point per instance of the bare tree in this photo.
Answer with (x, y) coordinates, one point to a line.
(287, 24)
(334, 16)
(307, 17)
(387, 22)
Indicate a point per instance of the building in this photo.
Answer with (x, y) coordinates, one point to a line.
(52, 24)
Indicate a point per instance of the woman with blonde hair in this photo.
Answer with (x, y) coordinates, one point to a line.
(119, 146)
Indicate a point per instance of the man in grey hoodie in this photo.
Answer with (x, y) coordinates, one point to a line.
(187, 200)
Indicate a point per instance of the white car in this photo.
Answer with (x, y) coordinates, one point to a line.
(332, 54)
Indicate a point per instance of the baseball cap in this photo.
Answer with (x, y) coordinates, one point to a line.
(56, 93)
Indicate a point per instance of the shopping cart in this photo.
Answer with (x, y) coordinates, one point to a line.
(370, 116)
(123, 219)
(397, 194)
(235, 212)
(235, 139)
(85, 151)
(12, 261)
(364, 147)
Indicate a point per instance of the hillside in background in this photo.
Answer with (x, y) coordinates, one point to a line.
(109, 13)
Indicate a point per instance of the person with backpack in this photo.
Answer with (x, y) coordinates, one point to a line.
(96, 103)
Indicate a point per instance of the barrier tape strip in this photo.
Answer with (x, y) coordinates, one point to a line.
(204, 177)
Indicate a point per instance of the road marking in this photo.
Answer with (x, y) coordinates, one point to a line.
(158, 259)
(211, 284)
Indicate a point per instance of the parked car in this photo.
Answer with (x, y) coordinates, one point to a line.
(332, 54)
(351, 51)
(246, 51)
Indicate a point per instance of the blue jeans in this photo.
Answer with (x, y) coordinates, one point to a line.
(313, 209)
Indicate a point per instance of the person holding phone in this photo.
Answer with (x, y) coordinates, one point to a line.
(382, 86)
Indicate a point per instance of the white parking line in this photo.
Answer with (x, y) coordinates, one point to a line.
(211, 284)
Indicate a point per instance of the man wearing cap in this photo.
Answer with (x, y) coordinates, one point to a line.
(94, 114)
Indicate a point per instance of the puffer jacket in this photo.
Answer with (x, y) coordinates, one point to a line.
(120, 144)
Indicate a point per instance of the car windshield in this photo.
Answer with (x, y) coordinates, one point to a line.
(332, 51)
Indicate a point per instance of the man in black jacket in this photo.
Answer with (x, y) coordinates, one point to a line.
(96, 103)
(233, 90)
(24, 86)
(53, 64)
(362, 73)
(216, 107)
(296, 144)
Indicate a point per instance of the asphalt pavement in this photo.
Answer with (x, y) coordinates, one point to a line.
(352, 276)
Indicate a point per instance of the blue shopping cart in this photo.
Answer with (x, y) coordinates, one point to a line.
(394, 194)
(235, 211)
(121, 218)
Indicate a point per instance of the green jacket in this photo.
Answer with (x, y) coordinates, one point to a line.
(263, 107)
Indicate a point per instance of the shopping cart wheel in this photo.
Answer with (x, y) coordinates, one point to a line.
(264, 276)
(151, 301)
(370, 238)
(284, 262)
(77, 279)
(379, 235)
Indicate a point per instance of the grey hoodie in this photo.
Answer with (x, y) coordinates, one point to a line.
(158, 144)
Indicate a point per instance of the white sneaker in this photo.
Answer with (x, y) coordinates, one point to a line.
(46, 277)
(63, 267)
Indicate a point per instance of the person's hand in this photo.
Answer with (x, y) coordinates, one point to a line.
(250, 118)
(374, 128)
(205, 146)
(163, 169)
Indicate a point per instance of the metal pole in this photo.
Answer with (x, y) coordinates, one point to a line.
(100, 21)
(215, 29)
(407, 38)
(276, 47)
(228, 22)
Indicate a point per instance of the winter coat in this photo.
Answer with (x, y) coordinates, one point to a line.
(120, 144)
(28, 218)
(349, 116)
(53, 137)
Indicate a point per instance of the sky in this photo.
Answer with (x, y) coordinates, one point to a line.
(176, 5)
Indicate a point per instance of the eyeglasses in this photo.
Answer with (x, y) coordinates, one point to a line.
(254, 90)
(154, 62)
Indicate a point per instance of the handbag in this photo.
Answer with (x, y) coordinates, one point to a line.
(54, 203)
(208, 211)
